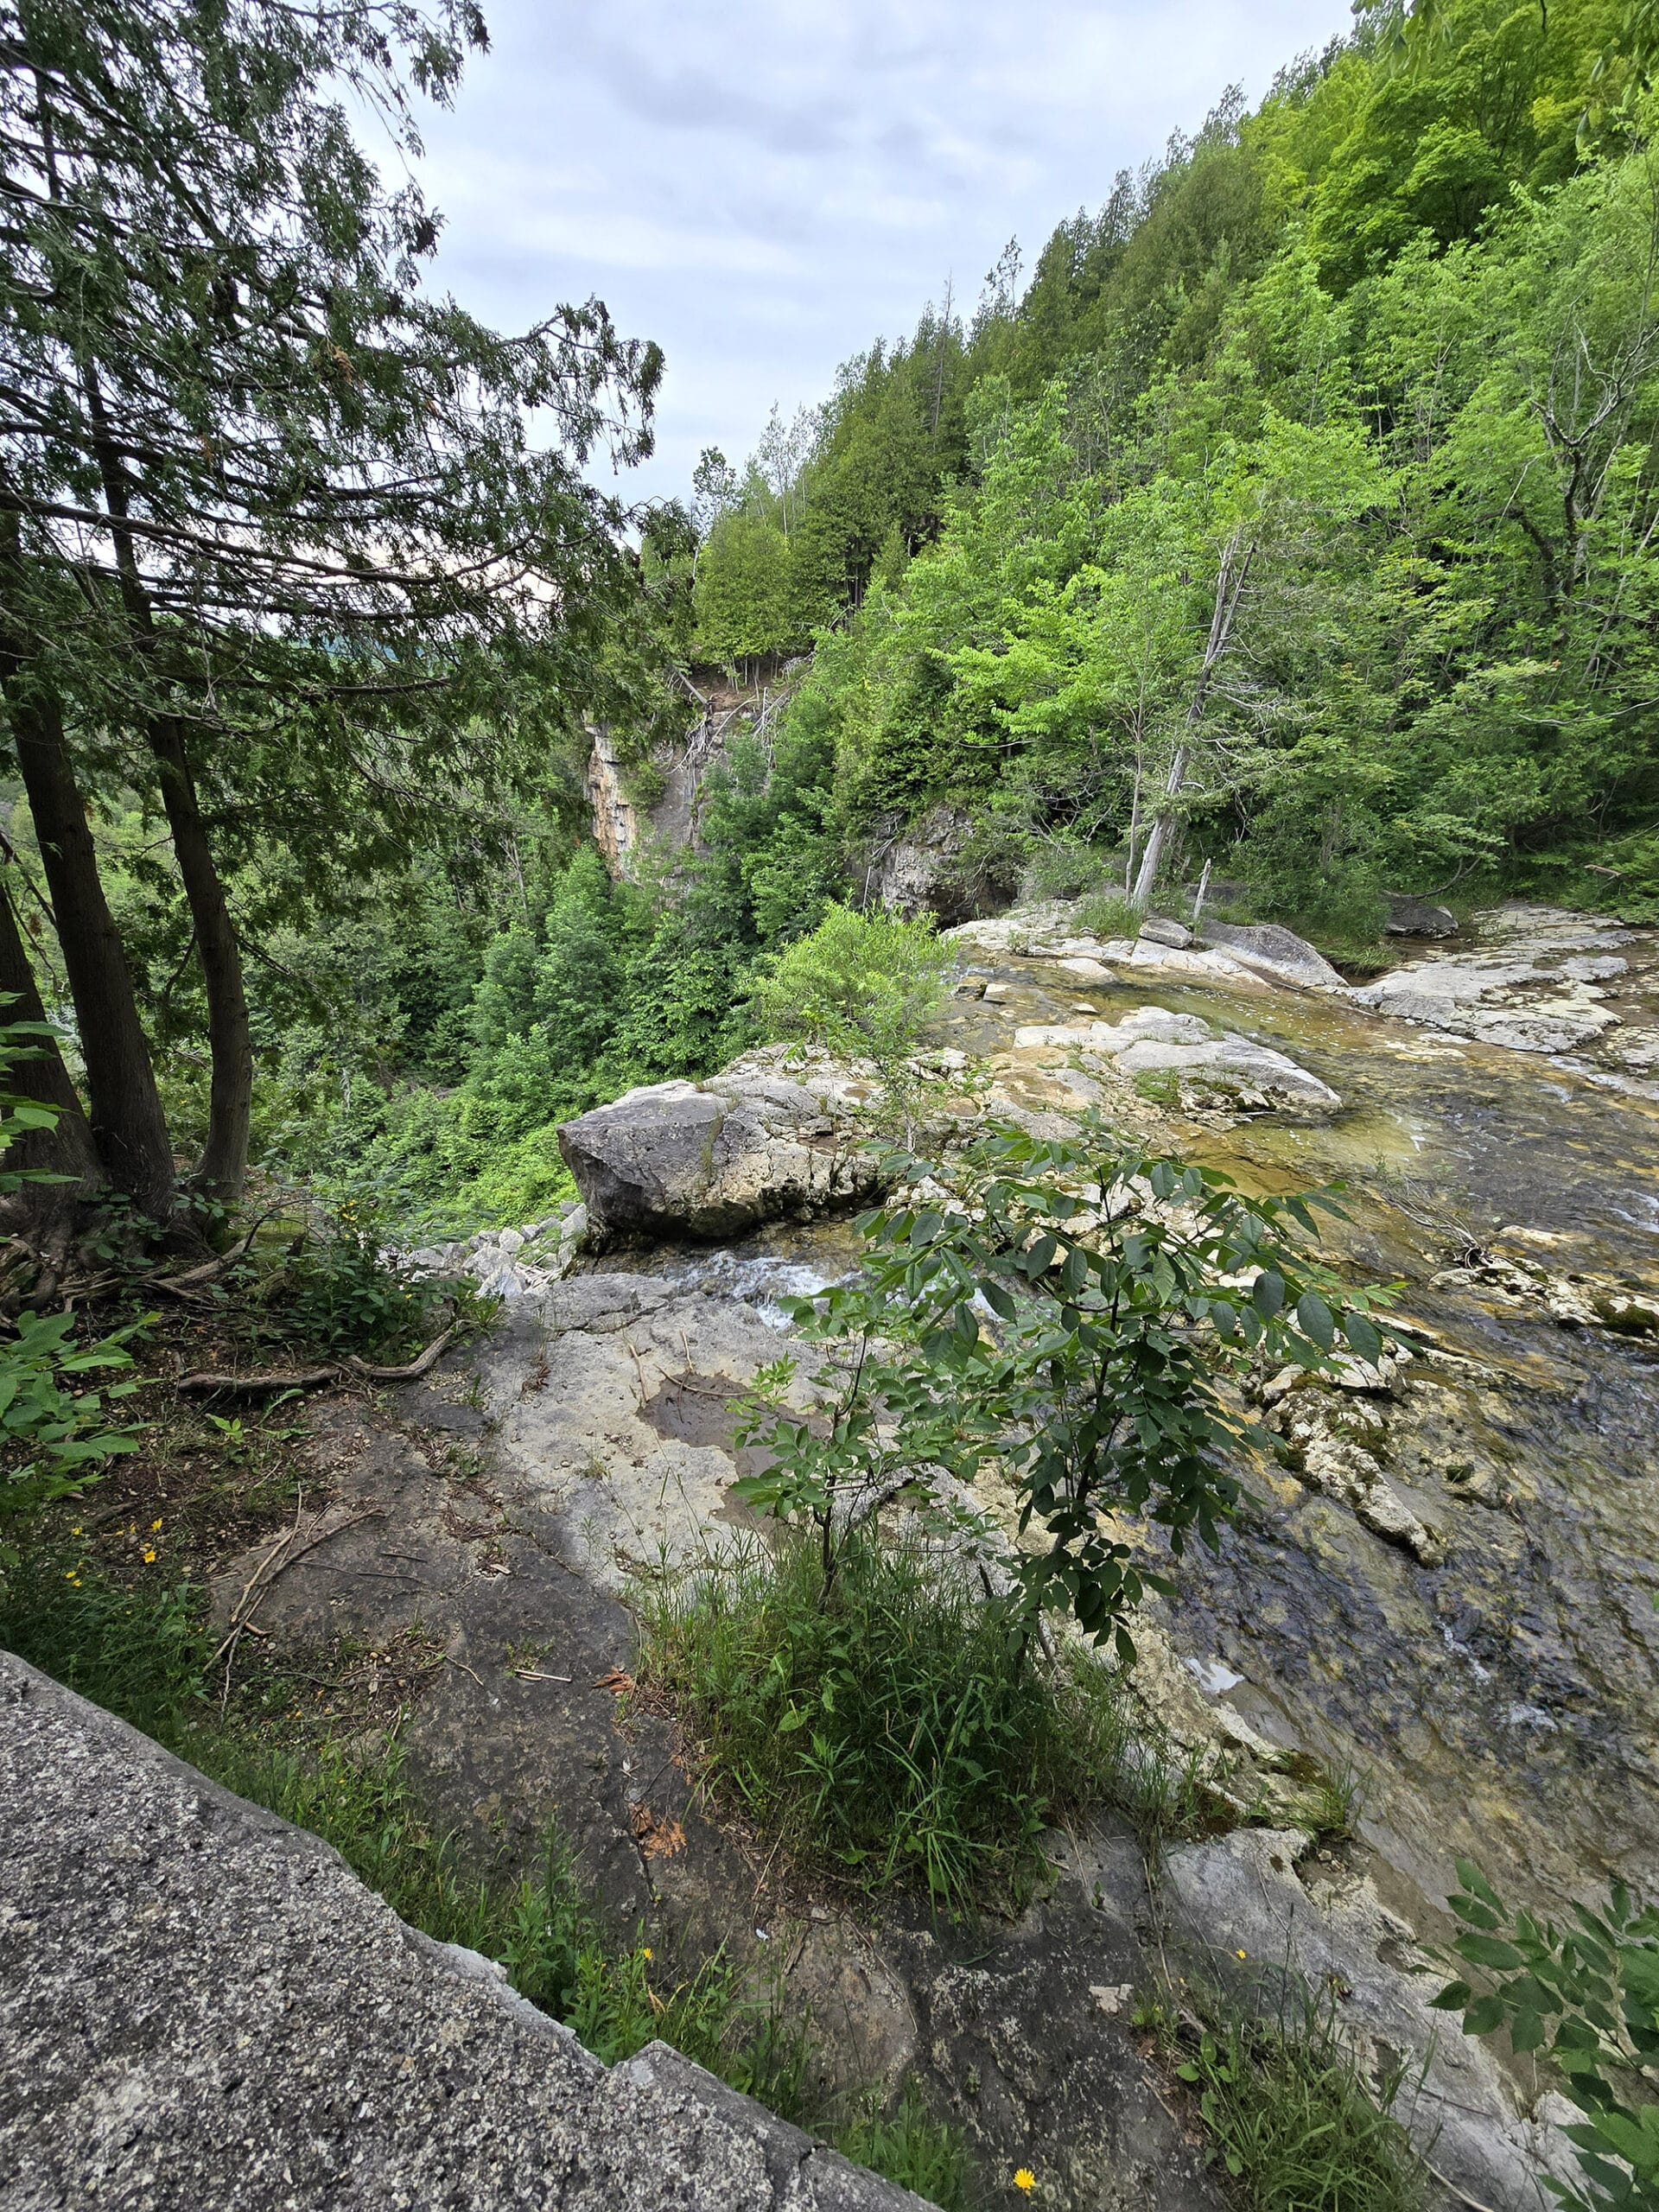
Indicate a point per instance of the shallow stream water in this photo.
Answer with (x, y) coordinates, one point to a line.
(1504, 1704)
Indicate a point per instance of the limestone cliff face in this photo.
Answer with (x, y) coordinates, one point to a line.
(615, 827)
(622, 827)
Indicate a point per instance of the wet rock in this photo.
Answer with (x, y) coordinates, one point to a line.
(1228, 1070)
(1157, 930)
(1338, 1465)
(1277, 954)
(1257, 1908)
(1411, 917)
(1538, 985)
(776, 1134)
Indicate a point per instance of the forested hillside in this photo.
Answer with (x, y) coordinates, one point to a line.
(1296, 514)
(1303, 499)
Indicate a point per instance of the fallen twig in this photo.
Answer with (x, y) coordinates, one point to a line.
(272, 1379)
(306, 1379)
(265, 1576)
(417, 1367)
(194, 1278)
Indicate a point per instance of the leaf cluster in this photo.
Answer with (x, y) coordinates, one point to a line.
(1584, 1991)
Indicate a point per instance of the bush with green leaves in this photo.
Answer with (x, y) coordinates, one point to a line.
(1076, 1314)
(885, 1728)
(345, 1290)
(1586, 1993)
(55, 1432)
(860, 985)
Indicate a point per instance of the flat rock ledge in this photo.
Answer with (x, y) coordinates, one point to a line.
(202, 2006)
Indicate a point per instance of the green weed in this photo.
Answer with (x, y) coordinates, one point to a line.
(1293, 2120)
(889, 1733)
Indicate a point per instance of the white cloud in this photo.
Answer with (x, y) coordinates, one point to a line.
(765, 185)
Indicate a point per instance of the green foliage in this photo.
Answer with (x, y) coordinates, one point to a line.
(1585, 1993)
(1068, 1316)
(344, 1291)
(55, 1433)
(885, 1728)
(1297, 2127)
(861, 985)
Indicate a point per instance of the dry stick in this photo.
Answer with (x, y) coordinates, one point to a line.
(245, 1609)
(307, 1377)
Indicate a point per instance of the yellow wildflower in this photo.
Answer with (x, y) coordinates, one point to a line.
(646, 1952)
(1239, 1954)
(155, 1524)
(149, 1555)
(1025, 2179)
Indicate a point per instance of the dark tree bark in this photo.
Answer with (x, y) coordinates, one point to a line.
(68, 1149)
(224, 1164)
(127, 1122)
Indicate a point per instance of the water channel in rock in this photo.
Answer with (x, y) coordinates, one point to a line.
(1505, 1703)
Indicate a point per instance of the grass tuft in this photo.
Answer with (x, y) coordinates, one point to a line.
(890, 1735)
(1294, 2122)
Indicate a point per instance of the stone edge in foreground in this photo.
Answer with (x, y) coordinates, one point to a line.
(202, 2006)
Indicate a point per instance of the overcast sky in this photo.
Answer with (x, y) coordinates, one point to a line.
(765, 185)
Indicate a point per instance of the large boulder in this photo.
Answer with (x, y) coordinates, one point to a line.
(1410, 916)
(776, 1134)
(1276, 953)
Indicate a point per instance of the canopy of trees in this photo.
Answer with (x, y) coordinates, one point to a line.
(1298, 510)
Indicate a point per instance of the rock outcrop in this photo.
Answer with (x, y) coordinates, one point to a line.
(1278, 954)
(1208, 1069)
(1412, 917)
(202, 2006)
(510, 1262)
(1538, 986)
(777, 1133)
(930, 870)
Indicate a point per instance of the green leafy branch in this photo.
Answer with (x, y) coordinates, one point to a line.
(1585, 1993)
(1079, 1315)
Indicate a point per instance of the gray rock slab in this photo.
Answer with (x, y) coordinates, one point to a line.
(202, 2006)
(1254, 1904)
(1278, 954)
(1413, 916)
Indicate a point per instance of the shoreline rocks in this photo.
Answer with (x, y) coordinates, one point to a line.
(1229, 1071)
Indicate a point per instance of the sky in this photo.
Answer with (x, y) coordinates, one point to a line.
(766, 186)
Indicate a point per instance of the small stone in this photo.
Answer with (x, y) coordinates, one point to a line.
(1158, 931)
(998, 994)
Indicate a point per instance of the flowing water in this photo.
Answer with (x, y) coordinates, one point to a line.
(1504, 1704)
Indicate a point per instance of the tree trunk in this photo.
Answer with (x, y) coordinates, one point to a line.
(40, 1075)
(1230, 587)
(224, 1164)
(127, 1123)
